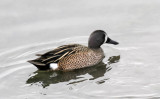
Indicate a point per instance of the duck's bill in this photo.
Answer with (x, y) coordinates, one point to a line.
(110, 41)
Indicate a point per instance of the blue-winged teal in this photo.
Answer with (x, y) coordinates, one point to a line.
(74, 56)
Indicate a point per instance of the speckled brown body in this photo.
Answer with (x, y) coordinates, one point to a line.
(84, 57)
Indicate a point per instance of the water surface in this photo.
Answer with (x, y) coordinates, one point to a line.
(129, 70)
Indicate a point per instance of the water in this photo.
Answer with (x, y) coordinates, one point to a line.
(130, 69)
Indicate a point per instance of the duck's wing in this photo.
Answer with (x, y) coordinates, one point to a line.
(53, 56)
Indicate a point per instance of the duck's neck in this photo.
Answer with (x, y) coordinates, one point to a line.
(94, 45)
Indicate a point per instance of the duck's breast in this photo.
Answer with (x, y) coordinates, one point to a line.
(81, 59)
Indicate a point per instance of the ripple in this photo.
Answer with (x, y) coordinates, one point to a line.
(13, 63)
(136, 96)
(47, 45)
(8, 72)
(126, 48)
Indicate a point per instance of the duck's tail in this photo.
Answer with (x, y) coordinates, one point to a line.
(39, 65)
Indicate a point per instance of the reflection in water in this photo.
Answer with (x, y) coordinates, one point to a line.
(46, 78)
(113, 59)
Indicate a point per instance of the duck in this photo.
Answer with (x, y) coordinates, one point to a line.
(74, 56)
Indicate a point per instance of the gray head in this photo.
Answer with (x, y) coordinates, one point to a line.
(99, 37)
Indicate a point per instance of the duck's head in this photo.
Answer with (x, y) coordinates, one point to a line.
(99, 37)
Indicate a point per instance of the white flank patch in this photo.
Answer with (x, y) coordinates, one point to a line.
(53, 66)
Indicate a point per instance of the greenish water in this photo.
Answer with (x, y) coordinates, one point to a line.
(130, 70)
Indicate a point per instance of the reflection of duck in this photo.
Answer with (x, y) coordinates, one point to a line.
(53, 77)
(75, 56)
